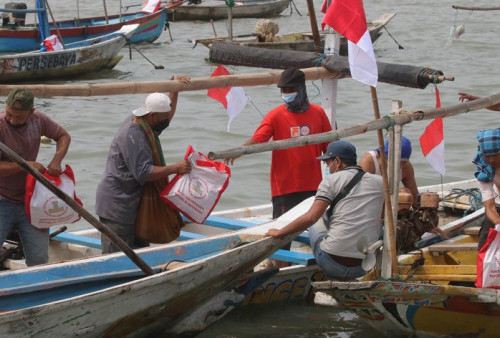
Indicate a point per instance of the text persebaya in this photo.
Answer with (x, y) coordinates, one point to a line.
(46, 61)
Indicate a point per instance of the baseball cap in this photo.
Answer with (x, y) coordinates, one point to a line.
(24, 96)
(155, 102)
(339, 148)
(292, 77)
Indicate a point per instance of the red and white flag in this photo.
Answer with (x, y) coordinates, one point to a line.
(348, 18)
(233, 99)
(432, 141)
(151, 6)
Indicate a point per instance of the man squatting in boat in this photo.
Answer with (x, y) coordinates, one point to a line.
(333, 239)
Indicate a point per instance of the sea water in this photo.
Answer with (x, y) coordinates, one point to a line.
(422, 28)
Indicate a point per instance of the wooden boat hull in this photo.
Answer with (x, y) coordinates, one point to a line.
(69, 62)
(218, 11)
(26, 38)
(303, 42)
(109, 296)
(422, 309)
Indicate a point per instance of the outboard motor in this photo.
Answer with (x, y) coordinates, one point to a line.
(15, 19)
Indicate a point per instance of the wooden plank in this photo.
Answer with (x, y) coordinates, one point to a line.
(282, 255)
(443, 247)
(454, 278)
(472, 231)
(441, 269)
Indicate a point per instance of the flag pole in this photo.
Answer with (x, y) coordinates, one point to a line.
(389, 234)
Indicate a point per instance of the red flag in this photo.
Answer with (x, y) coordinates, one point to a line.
(432, 141)
(348, 18)
(233, 99)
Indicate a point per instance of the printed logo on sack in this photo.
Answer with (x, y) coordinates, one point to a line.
(198, 188)
(52, 208)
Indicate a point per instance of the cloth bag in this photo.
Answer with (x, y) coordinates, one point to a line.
(488, 261)
(45, 209)
(197, 193)
(156, 221)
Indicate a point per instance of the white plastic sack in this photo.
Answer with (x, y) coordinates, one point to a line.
(45, 209)
(197, 193)
(488, 261)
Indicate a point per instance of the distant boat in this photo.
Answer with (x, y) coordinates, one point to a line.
(16, 37)
(218, 10)
(299, 41)
(77, 58)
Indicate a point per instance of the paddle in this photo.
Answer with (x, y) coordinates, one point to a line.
(78, 208)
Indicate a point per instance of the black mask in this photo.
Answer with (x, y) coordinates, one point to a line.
(160, 126)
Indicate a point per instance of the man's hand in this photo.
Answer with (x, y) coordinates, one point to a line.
(230, 160)
(38, 166)
(54, 168)
(183, 167)
(273, 233)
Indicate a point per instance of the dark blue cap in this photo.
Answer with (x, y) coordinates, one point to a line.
(405, 149)
(339, 148)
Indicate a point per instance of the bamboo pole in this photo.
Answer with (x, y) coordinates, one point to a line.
(105, 11)
(55, 24)
(404, 118)
(476, 8)
(78, 208)
(314, 26)
(123, 88)
(390, 270)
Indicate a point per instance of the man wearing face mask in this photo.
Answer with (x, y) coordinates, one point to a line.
(295, 173)
(130, 165)
(21, 126)
(356, 207)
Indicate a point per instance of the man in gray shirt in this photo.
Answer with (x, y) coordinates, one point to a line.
(355, 215)
(130, 165)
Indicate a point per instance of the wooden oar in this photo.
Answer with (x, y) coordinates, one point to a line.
(78, 208)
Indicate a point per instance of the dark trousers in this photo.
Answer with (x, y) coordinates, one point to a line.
(485, 229)
(283, 203)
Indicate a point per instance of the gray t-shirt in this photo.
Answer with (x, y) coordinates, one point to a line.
(129, 163)
(357, 214)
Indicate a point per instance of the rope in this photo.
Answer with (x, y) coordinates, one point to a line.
(230, 3)
(320, 59)
(475, 198)
(389, 120)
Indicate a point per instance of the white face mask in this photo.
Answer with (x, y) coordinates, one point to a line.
(288, 97)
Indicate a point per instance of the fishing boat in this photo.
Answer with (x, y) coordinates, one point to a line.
(218, 10)
(109, 296)
(15, 36)
(435, 294)
(77, 58)
(303, 41)
(262, 286)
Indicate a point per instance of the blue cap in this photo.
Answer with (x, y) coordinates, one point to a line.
(339, 148)
(405, 149)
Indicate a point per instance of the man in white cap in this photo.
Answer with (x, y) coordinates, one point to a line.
(355, 199)
(130, 165)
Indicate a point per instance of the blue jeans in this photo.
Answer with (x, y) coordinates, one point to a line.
(35, 241)
(330, 268)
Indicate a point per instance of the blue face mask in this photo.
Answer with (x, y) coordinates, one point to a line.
(288, 97)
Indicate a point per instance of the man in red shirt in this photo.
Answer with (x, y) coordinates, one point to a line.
(295, 172)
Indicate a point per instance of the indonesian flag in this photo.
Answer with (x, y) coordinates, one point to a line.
(347, 17)
(233, 99)
(151, 6)
(432, 141)
(52, 43)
